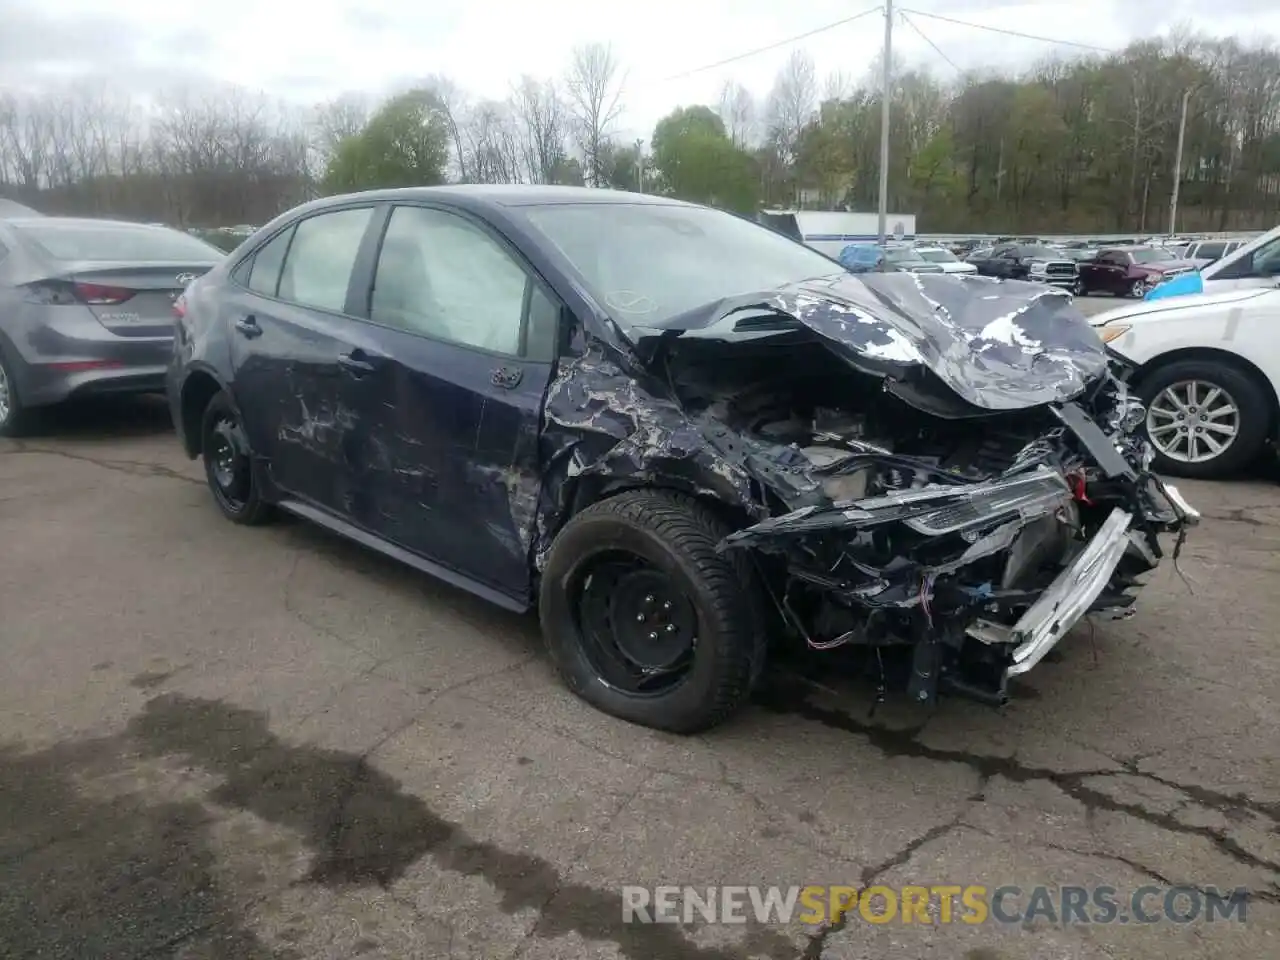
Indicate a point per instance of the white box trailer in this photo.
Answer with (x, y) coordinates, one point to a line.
(830, 232)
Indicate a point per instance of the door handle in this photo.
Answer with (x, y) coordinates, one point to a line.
(355, 364)
(248, 327)
(506, 377)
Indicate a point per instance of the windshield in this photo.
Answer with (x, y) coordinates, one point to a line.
(646, 262)
(129, 242)
(938, 256)
(1152, 255)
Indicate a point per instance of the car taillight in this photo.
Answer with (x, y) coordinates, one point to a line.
(96, 294)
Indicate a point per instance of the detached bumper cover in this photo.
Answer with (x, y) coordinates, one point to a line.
(1071, 595)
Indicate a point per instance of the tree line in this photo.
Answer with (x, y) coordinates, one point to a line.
(1085, 144)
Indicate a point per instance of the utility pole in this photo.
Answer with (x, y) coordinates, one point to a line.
(639, 166)
(1177, 166)
(885, 92)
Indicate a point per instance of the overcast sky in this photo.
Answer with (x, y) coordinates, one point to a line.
(311, 50)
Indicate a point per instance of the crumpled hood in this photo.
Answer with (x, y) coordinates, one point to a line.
(999, 344)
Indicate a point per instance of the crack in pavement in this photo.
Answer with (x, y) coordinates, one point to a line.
(818, 941)
(137, 468)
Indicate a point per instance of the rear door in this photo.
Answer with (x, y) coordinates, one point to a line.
(453, 471)
(299, 353)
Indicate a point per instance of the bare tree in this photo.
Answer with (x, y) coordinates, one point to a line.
(792, 103)
(340, 118)
(542, 121)
(454, 110)
(838, 85)
(492, 152)
(737, 110)
(595, 96)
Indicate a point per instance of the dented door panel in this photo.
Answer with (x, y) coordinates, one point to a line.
(452, 467)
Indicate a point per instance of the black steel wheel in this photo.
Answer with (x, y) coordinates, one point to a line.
(228, 465)
(644, 619)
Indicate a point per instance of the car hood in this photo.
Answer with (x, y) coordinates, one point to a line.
(1188, 301)
(1168, 266)
(999, 345)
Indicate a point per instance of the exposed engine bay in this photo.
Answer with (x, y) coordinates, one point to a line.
(977, 540)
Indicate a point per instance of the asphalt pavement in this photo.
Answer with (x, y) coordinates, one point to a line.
(218, 742)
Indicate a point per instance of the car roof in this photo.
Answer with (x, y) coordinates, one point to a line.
(512, 195)
(56, 222)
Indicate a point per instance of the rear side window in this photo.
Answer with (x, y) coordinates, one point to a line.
(1211, 250)
(318, 267)
(264, 277)
(122, 242)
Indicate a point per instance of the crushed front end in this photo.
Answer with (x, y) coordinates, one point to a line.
(978, 567)
(945, 465)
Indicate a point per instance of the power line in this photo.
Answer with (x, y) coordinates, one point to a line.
(921, 34)
(772, 46)
(1009, 33)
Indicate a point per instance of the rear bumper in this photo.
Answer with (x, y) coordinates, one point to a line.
(55, 381)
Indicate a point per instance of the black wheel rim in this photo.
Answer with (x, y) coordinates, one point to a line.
(228, 465)
(639, 629)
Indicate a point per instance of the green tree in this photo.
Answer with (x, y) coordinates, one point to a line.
(698, 161)
(404, 144)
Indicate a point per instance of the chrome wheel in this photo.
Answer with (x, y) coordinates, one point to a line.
(1193, 421)
(6, 404)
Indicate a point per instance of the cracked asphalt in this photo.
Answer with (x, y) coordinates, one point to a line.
(228, 743)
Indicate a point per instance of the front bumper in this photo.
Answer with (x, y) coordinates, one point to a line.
(1070, 596)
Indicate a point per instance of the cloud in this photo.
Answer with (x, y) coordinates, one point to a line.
(314, 51)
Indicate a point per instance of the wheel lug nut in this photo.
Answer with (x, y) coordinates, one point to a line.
(671, 628)
(639, 618)
(653, 636)
(666, 605)
(649, 600)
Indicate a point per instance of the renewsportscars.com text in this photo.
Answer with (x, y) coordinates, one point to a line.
(937, 903)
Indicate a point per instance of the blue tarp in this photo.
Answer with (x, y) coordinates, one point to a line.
(1185, 284)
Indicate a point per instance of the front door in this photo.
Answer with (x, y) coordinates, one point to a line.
(292, 353)
(471, 332)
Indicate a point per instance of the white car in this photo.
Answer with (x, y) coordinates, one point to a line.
(1207, 367)
(1255, 264)
(947, 260)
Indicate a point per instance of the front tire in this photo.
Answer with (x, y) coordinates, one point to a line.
(228, 466)
(1137, 289)
(1206, 419)
(644, 619)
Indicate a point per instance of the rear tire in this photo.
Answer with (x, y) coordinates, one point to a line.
(597, 622)
(14, 418)
(228, 465)
(1167, 386)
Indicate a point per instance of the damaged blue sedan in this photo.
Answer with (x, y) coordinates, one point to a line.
(683, 438)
